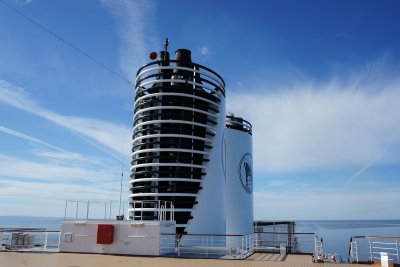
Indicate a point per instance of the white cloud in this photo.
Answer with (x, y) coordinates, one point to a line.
(338, 124)
(58, 154)
(107, 135)
(204, 50)
(64, 172)
(48, 199)
(40, 187)
(28, 138)
(66, 156)
(23, 2)
(135, 31)
(326, 203)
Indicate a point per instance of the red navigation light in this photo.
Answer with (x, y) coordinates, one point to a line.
(153, 55)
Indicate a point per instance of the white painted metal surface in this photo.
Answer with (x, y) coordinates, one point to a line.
(130, 238)
(239, 182)
(209, 213)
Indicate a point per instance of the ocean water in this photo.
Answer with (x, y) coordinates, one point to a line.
(335, 233)
(51, 223)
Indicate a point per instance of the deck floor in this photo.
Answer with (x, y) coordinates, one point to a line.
(11, 259)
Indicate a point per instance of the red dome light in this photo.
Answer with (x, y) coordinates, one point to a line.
(153, 55)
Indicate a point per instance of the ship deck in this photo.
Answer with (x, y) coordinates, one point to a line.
(12, 259)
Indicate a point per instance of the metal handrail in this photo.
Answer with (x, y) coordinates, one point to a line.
(196, 68)
(88, 206)
(364, 248)
(161, 207)
(294, 242)
(234, 246)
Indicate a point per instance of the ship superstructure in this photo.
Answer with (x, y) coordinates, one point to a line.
(179, 147)
(179, 121)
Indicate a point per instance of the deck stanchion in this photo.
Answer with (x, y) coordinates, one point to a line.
(65, 211)
(370, 250)
(109, 216)
(87, 210)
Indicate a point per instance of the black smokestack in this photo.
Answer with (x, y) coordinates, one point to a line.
(184, 57)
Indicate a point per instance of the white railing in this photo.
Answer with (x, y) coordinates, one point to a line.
(109, 210)
(293, 242)
(164, 210)
(93, 209)
(209, 245)
(29, 239)
(370, 248)
(238, 246)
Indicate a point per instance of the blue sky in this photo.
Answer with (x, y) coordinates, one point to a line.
(319, 80)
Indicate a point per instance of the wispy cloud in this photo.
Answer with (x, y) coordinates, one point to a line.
(59, 154)
(29, 138)
(346, 122)
(107, 135)
(134, 20)
(330, 203)
(204, 50)
(23, 2)
(66, 157)
(53, 172)
(48, 199)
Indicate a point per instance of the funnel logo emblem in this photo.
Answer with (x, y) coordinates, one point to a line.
(246, 173)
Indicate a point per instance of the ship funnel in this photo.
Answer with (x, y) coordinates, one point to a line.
(164, 55)
(184, 58)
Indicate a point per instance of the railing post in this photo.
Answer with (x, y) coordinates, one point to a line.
(141, 212)
(87, 210)
(350, 256)
(65, 211)
(109, 216)
(241, 250)
(355, 242)
(45, 240)
(247, 244)
(251, 243)
(77, 208)
(177, 245)
(134, 206)
(315, 248)
(370, 251)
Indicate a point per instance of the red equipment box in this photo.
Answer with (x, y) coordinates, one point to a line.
(105, 234)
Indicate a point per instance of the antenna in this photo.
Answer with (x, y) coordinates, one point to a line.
(121, 216)
(166, 43)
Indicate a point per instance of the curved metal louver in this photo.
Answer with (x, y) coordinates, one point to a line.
(177, 105)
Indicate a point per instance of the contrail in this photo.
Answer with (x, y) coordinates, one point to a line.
(40, 142)
(16, 97)
(98, 146)
(29, 138)
(369, 165)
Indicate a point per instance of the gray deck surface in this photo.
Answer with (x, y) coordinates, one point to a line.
(11, 259)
